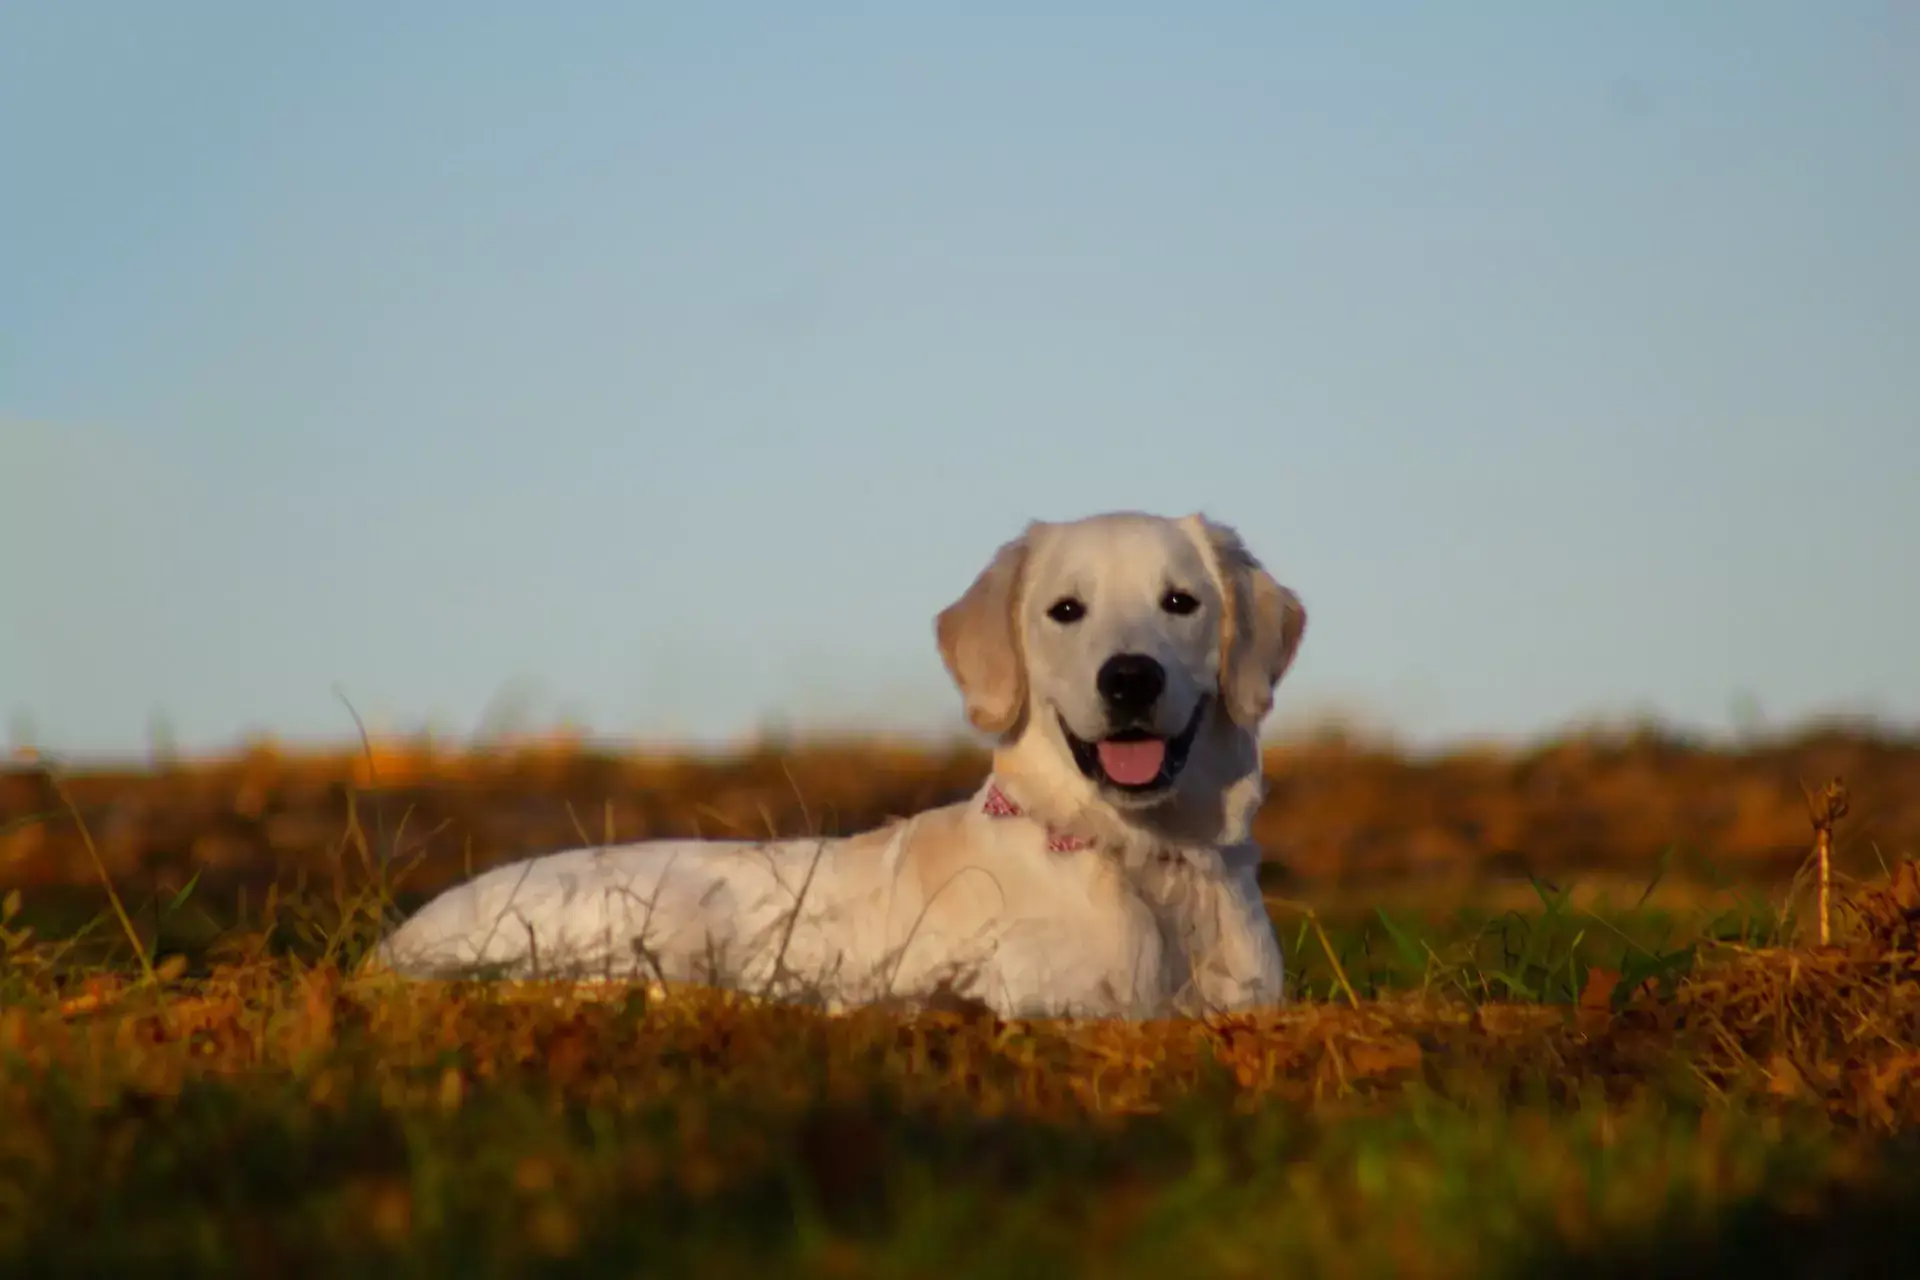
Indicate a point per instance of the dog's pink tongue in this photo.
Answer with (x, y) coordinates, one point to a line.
(1133, 764)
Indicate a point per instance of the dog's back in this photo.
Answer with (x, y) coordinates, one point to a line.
(949, 899)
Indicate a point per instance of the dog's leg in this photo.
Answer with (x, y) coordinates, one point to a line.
(1235, 957)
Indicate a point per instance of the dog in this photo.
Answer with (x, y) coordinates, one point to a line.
(1122, 664)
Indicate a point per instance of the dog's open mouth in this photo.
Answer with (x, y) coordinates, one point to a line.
(1134, 760)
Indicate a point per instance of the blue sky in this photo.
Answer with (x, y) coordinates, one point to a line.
(667, 368)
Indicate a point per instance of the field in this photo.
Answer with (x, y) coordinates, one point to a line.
(1557, 1012)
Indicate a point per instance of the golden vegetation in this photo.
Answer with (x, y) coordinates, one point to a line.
(1566, 1090)
(1338, 814)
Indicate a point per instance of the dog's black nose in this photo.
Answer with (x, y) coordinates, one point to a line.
(1130, 682)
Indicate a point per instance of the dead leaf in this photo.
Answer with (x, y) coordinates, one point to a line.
(1598, 991)
(1783, 1078)
(1379, 1058)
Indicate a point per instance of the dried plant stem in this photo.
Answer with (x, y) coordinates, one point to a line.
(106, 880)
(1824, 843)
(1326, 945)
(1825, 814)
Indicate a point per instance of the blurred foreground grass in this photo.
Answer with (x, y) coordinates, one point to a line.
(1559, 1078)
(255, 1108)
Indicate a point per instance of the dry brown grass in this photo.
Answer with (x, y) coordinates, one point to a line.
(1838, 1023)
(1338, 816)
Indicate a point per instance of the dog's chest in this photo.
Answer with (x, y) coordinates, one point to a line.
(1147, 924)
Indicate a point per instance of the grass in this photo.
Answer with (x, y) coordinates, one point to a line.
(1563, 1083)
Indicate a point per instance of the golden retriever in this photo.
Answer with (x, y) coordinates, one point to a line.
(1123, 664)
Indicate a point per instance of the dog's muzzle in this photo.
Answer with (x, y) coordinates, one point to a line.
(1133, 761)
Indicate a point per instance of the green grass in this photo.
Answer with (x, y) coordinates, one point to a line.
(251, 1178)
(1543, 954)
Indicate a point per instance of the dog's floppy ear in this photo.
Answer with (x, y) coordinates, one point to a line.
(1261, 624)
(980, 646)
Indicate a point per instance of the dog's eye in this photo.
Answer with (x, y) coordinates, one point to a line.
(1179, 602)
(1066, 610)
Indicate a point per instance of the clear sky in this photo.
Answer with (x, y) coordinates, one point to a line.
(668, 367)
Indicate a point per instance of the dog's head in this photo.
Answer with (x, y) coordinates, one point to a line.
(1125, 663)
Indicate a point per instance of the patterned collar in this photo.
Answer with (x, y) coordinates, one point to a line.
(998, 805)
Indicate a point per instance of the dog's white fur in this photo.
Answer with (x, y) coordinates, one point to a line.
(1158, 912)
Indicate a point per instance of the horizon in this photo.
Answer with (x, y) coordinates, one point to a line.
(665, 372)
(1330, 734)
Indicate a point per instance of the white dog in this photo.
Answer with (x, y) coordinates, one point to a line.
(1123, 663)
